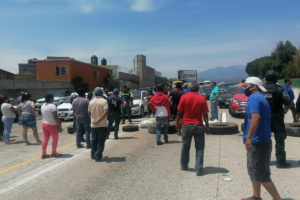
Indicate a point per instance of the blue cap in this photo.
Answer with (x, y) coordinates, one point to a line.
(116, 91)
(98, 91)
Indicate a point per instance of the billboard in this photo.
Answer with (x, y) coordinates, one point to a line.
(187, 75)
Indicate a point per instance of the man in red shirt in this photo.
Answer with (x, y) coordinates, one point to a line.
(191, 109)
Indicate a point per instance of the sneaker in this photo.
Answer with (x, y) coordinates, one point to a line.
(283, 165)
(184, 168)
(159, 143)
(166, 141)
(199, 173)
(45, 156)
(79, 146)
(116, 138)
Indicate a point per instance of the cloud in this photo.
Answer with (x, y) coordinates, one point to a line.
(146, 5)
(89, 6)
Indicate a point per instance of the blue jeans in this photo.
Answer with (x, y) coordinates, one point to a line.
(8, 122)
(86, 126)
(98, 142)
(214, 110)
(188, 132)
(161, 124)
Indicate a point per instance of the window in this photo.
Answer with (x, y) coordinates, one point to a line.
(61, 71)
(3, 77)
(96, 75)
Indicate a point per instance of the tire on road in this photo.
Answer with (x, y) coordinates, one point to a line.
(293, 129)
(171, 128)
(70, 129)
(130, 128)
(223, 128)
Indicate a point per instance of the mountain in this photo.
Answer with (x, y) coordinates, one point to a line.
(232, 74)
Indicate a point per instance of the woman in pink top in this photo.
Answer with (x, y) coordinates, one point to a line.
(51, 126)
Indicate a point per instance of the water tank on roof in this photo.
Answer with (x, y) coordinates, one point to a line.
(94, 60)
(32, 61)
(103, 61)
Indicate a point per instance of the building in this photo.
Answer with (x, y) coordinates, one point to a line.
(65, 69)
(28, 68)
(146, 74)
(5, 75)
(114, 69)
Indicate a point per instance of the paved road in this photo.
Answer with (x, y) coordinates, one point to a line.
(135, 168)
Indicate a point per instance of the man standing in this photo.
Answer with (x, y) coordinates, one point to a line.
(80, 109)
(276, 96)
(192, 109)
(114, 108)
(160, 104)
(175, 96)
(257, 139)
(1, 123)
(127, 109)
(214, 95)
(149, 96)
(289, 90)
(98, 110)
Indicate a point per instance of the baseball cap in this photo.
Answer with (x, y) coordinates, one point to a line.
(256, 81)
(116, 91)
(98, 91)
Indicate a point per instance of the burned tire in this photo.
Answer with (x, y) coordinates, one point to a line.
(293, 129)
(171, 128)
(70, 129)
(223, 128)
(130, 128)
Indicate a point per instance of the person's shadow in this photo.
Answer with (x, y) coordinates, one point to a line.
(127, 138)
(294, 163)
(174, 142)
(211, 170)
(108, 159)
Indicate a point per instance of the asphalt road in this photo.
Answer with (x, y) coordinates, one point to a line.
(135, 168)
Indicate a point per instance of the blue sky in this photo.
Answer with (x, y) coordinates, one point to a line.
(173, 34)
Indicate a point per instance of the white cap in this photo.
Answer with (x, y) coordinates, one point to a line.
(256, 81)
(74, 94)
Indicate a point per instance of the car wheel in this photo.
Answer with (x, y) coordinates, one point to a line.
(130, 128)
(223, 128)
(230, 112)
(142, 112)
(293, 129)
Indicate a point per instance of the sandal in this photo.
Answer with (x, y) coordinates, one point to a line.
(45, 156)
(56, 155)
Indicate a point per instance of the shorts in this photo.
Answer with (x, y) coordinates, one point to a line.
(258, 162)
(28, 121)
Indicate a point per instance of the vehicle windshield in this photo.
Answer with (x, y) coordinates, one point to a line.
(241, 90)
(67, 100)
(136, 95)
(58, 93)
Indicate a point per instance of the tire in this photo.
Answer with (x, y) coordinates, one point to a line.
(70, 129)
(142, 112)
(223, 128)
(171, 129)
(293, 129)
(130, 128)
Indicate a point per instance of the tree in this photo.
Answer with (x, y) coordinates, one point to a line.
(110, 83)
(296, 59)
(78, 82)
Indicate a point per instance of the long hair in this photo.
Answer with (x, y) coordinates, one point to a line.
(25, 97)
(48, 97)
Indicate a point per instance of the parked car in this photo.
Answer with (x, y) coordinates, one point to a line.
(238, 103)
(13, 102)
(140, 103)
(65, 111)
(59, 98)
(225, 97)
(205, 91)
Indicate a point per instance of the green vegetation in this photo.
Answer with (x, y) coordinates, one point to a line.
(284, 60)
(110, 83)
(78, 82)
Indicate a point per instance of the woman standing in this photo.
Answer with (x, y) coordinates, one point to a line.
(28, 120)
(8, 117)
(51, 126)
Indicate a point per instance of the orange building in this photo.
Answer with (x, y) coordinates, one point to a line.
(65, 69)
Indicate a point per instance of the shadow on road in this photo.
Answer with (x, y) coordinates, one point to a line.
(174, 142)
(65, 155)
(287, 199)
(214, 170)
(113, 159)
(127, 138)
(294, 163)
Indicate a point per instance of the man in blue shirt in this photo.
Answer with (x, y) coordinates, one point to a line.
(126, 96)
(257, 139)
(114, 109)
(289, 90)
(214, 95)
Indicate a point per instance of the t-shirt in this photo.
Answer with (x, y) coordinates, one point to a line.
(175, 98)
(193, 105)
(161, 111)
(114, 105)
(96, 108)
(289, 90)
(258, 104)
(6, 111)
(47, 110)
(26, 107)
(213, 93)
(80, 108)
(126, 96)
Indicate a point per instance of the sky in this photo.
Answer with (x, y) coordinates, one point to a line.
(172, 34)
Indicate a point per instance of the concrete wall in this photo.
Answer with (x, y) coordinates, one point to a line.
(130, 80)
(37, 89)
(146, 74)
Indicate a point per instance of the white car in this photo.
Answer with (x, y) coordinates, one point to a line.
(64, 110)
(140, 103)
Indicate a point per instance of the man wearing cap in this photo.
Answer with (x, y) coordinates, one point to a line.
(214, 96)
(98, 110)
(174, 97)
(126, 96)
(114, 108)
(257, 139)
